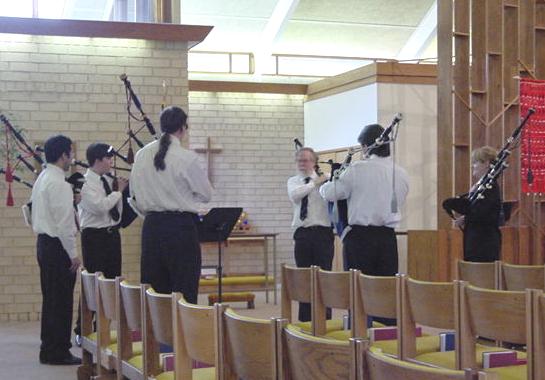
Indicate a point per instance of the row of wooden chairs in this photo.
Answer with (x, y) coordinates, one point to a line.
(228, 346)
(502, 276)
(500, 315)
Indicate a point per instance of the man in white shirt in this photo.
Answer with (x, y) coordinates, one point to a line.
(53, 219)
(167, 184)
(100, 212)
(375, 190)
(313, 234)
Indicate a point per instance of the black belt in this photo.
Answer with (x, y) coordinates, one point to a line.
(172, 213)
(371, 228)
(316, 227)
(110, 229)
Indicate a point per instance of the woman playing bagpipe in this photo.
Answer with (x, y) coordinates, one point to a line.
(479, 221)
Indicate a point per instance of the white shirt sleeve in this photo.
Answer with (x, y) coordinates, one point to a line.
(63, 215)
(338, 188)
(297, 191)
(94, 201)
(198, 182)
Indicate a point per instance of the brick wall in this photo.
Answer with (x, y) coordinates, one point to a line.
(51, 85)
(255, 133)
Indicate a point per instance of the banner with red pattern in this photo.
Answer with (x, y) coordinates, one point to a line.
(532, 146)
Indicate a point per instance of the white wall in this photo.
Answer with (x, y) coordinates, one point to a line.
(336, 121)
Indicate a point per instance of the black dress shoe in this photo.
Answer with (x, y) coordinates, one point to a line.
(67, 360)
(43, 358)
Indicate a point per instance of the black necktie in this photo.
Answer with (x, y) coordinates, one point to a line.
(304, 204)
(114, 213)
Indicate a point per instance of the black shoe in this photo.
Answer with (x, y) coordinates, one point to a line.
(67, 360)
(43, 357)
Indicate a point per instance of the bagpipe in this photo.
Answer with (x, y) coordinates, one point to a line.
(76, 180)
(338, 210)
(463, 203)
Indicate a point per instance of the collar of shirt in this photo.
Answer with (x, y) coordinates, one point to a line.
(302, 176)
(92, 175)
(175, 141)
(54, 170)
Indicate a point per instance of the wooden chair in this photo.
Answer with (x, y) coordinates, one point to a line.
(195, 338)
(306, 357)
(378, 366)
(494, 314)
(157, 328)
(88, 305)
(247, 346)
(331, 290)
(424, 303)
(129, 309)
(536, 334)
(483, 275)
(296, 286)
(373, 296)
(105, 315)
(521, 277)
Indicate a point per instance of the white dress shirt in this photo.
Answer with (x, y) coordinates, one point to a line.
(367, 186)
(180, 187)
(94, 208)
(317, 207)
(53, 211)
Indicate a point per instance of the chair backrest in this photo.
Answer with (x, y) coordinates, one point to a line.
(132, 304)
(521, 277)
(373, 295)
(495, 314)
(296, 286)
(88, 285)
(129, 319)
(194, 335)
(156, 327)
(159, 307)
(383, 367)
(106, 310)
(483, 275)
(247, 346)
(306, 357)
(425, 303)
(331, 289)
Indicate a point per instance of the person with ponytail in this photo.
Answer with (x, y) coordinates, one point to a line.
(167, 184)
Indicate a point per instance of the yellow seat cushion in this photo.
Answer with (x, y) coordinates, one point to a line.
(514, 372)
(198, 374)
(113, 336)
(447, 359)
(339, 334)
(330, 325)
(424, 344)
(136, 361)
(136, 348)
(237, 280)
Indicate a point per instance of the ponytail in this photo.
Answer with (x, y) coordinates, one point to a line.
(159, 158)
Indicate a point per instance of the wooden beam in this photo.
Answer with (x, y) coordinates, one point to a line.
(192, 34)
(267, 88)
(444, 109)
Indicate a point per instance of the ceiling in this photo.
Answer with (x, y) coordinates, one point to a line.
(391, 29)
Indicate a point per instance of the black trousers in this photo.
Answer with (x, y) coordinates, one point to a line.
(101, 250)
(171, 254)
(313, 246)
(57, 283)
(373, 250)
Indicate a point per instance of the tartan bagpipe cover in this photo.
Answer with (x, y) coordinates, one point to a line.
(532, 146)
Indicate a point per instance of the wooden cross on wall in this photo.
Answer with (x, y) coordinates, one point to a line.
(209, 151)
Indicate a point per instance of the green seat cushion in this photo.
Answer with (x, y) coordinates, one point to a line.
(237, 280)
(93, 336)
(330, 325)
(514, 372)
(136, 348)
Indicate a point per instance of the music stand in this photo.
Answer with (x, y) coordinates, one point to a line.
(216, 226)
